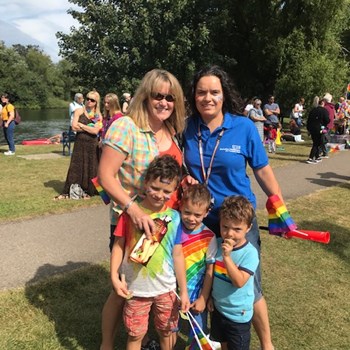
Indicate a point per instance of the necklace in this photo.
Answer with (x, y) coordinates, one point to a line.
(206, 173)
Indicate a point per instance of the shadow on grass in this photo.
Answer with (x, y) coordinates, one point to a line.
(57, 185)
(330, 179)
(72, 302)
(340, 237)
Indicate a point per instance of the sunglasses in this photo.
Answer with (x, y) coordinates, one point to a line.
(159, 97)
(90, 99)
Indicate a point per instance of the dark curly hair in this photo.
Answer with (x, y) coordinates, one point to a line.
(232, 103)
(165, 167)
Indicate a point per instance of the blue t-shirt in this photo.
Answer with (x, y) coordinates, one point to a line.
(239, 145)
(235, 303)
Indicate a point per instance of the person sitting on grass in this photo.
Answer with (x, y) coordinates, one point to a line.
(233, 287)
(152, 285)
(199, 247)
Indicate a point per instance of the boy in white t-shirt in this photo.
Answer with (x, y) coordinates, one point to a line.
(151, 285)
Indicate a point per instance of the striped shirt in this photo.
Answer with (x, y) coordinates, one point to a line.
(199, 248)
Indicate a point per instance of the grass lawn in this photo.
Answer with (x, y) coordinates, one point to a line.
(306, 284)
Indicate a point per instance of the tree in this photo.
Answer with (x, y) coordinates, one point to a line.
(277, 47)
(119, 41)
(30, 76)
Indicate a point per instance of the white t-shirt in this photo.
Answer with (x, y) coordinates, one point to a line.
(298, 110)
(248, 107)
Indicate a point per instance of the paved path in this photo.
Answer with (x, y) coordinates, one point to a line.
(33, 249)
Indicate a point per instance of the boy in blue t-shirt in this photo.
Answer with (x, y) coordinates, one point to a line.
(233, 286)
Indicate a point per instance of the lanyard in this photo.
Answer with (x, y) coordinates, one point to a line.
(207, 173)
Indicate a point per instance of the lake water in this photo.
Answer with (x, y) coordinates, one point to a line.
(42, 123)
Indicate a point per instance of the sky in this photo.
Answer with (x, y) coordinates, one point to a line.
(36, 22)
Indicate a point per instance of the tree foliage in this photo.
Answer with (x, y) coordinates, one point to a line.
(119, 41)
(289, 48)
(31, 78)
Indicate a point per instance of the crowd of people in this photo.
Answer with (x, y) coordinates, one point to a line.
(182, 198)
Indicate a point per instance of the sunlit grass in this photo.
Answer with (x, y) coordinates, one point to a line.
(306, 284)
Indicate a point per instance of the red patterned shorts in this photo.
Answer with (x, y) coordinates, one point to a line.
(165, 309)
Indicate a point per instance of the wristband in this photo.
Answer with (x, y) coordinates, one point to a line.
(127, 206)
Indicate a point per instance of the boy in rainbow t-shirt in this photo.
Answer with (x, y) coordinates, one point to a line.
(199, 247)
(152, 284)
(233, 286)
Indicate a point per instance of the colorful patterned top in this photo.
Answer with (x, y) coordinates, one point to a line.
(95, 119)
(234, 303)
(158, 277)
(139, 147)
(199, 248)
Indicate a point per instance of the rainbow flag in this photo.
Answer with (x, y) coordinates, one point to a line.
(197, 340)
(280, 220)
(103, 194)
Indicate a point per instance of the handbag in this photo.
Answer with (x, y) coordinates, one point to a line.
(18, 117)
(75, 191)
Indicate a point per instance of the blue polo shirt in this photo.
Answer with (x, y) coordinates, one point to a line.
(239, 145)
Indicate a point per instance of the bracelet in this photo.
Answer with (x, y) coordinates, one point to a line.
(127, 206)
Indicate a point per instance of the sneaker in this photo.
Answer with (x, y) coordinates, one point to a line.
(311, 161)
(324, 157)
(317, 160)
(9, 153)
(151, 345)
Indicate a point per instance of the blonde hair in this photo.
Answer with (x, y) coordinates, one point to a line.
(150, 83)
(114, 105)
(96, 96)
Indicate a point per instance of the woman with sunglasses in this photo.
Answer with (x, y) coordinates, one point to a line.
(218, 144)
(87, 123)
(155, 116)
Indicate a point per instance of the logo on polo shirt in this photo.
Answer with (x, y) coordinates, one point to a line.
(233, 149)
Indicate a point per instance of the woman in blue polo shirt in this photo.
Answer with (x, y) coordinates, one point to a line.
(218, 143)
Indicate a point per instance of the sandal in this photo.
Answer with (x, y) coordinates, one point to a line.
(61, 196)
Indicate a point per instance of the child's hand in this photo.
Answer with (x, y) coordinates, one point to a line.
(198, 306)
(184, 302)
(227, 246)
(121, 288)
(210, 305)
